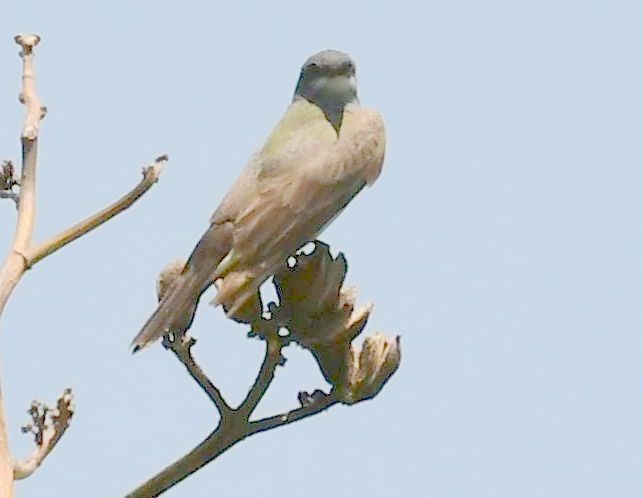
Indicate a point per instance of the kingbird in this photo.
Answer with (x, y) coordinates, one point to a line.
(325, 150)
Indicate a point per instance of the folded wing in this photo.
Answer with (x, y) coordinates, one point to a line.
(297, 192)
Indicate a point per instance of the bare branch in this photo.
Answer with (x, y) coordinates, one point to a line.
(181, 346)
(233, 431)
(271, 359)
(230, 430)
(210, 448)
(23, 254)
(14, 265)
(234, 426)
(313, 405)
(35, 112)
(150, 177)
(47, 426)
(12, 269)
(29, 95)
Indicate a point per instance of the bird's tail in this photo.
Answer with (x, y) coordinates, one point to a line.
(177, 307)
(175, 312)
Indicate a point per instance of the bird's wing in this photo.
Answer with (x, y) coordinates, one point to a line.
(300, 187)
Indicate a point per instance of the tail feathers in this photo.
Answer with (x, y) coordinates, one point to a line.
(175, 311)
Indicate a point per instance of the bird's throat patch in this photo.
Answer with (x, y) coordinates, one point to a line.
(334, 117)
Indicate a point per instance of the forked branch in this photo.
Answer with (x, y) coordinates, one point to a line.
(49, 424)
(235, 425)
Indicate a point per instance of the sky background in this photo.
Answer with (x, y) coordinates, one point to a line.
(503, 241)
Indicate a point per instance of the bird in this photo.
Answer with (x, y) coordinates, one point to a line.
(324, 150)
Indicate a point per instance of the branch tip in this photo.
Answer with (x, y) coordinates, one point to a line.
(154, 171)
(151, 175)
(47, 426)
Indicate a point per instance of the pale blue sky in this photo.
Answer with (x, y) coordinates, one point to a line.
(504, 241)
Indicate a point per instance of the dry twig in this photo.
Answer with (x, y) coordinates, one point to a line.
(47, 427)
(151, 175)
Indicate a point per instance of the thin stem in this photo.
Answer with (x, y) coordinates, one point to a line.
(271, 359)
(150, 177)
(182, 348)
(319, 405)
(14, 266)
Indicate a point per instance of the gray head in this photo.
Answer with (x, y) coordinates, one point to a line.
(327, 79)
